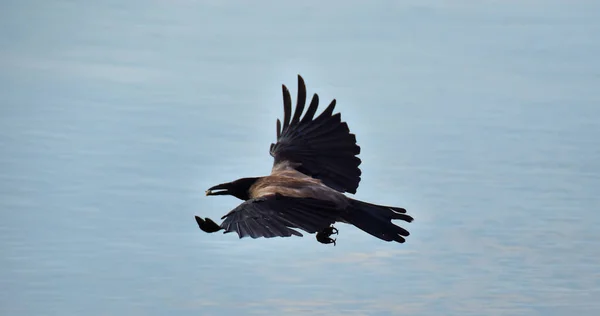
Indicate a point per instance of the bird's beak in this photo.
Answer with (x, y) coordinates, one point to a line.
(221, 189)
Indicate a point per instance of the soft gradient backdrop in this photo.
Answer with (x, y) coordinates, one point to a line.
(482, 118)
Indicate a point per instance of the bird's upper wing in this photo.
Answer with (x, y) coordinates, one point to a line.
(277, 215)
(322, 148)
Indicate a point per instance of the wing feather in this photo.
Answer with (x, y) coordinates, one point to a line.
(277, 216)
(300, 101)
(321, 147)
(312, 109)
(287, 107)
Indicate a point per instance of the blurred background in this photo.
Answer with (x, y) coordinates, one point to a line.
(480, 117)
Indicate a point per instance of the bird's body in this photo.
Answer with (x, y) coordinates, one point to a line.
(315, 163)
(295, 184)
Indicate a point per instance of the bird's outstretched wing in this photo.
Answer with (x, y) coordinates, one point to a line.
(321, 147)
(277, 215)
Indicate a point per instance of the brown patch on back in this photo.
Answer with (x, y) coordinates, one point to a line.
(289, 182)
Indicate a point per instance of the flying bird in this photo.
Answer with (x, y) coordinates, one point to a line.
(315, 164)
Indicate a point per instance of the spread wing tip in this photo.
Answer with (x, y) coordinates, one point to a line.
(322, 146)
(269, 235)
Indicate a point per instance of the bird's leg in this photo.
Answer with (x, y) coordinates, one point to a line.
(207, 225)
(324, 235)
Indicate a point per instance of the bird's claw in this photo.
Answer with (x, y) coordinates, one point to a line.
(324, 239)
(324, 235)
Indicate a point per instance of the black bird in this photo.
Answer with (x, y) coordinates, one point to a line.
(315, 163)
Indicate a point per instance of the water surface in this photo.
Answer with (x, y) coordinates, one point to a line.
(480, 118)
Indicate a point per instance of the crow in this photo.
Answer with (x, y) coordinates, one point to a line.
(315, 163)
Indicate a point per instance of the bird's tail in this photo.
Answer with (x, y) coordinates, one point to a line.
(377, 220)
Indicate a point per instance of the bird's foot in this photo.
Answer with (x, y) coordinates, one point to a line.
(324, 236)
(331, 230)
(208, 225)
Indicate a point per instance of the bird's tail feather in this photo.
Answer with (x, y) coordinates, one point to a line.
(377, 220)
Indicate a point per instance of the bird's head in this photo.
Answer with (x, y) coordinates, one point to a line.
(239, 188)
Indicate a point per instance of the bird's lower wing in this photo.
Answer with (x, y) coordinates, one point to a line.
(322, 148)
(277, 216)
